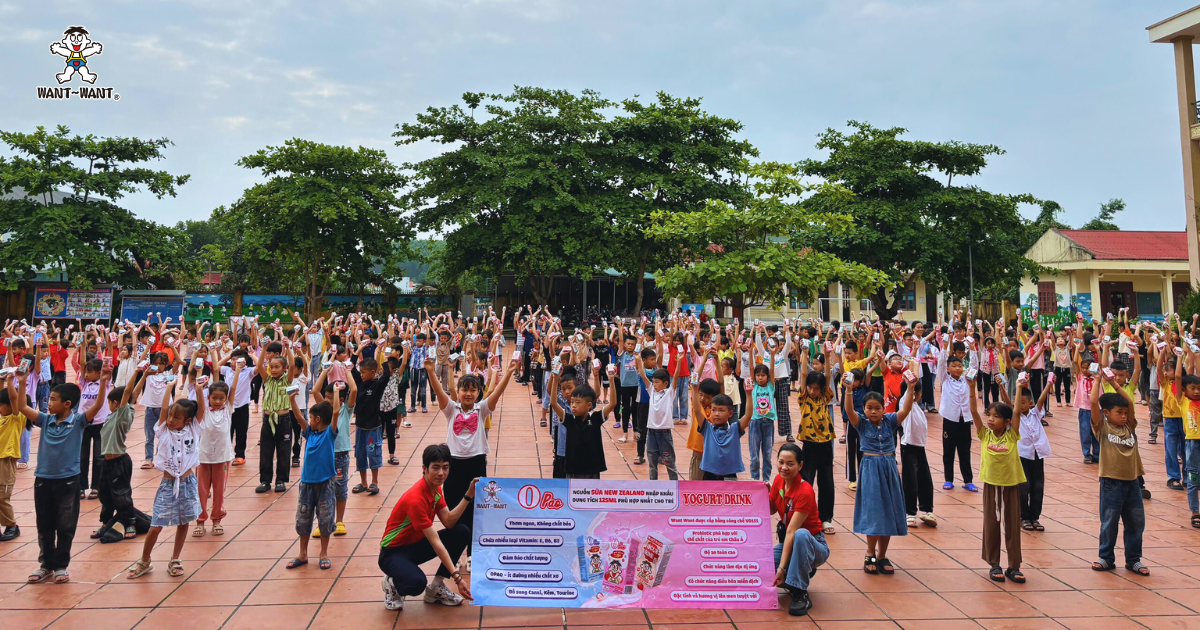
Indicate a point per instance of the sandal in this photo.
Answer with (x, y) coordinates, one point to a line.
(1102, 565)
(325, 564)
(997, 574)
(358, 488)
(1196, 521)
(61, 576)
(98, 533)
(130, 533)
(1152, 440)
(147, 465)
(139, 568)
(93, 495)
(175, 567)
(237, 461)
(296, 563)
(373, 489)
(1138, 568)
(1028, 526)
(870, 565)
(1037, 526)
(40, 575)
(393, 460)
(1015, 575)
(217, 530)
(885, 566)
(198, 532)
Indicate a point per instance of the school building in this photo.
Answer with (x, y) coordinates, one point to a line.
(1096, 272)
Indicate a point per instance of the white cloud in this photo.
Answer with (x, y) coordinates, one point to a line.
(231, 123)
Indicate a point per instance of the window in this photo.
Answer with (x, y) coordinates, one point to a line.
(1047, 298)
(907, 300)
(1149, 304)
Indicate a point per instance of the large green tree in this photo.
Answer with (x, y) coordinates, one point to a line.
(742, 255)
(1104, 218)
(911, 220)
(59, 210)
(520, 191)
(668, 156)
(326, 214)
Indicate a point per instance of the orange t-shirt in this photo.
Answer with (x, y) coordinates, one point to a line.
(695, 439)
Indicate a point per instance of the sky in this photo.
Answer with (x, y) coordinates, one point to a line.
(1072, 90)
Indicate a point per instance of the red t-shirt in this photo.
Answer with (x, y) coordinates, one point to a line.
(58, 358)
(800, 499)
(414, 514)
(674, 358)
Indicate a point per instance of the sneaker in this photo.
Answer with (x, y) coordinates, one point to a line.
(442, 595)
(10, 533)
(263, 488)
(1087, 460)
(801, 604)
(392, 599)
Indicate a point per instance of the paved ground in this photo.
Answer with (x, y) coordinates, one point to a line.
(239, 580)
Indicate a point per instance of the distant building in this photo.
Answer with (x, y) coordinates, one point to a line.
(1096, 272)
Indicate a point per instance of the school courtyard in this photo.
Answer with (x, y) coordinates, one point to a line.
(238, 581)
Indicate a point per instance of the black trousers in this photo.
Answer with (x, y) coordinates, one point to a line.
(1037, 382)
(89, 456)
(927, 378)
(536, 377)
(297, 443)
(643, 416)
(255, 387)
(1034, 489)
(853, 454)
(275, 445)
(1062, 381)
(956, 436)
(389, 429)
(116, 494)
(627, 400)
(239, 424)
(916, 478)
(991, 391)
(462, 471)
(56, 503)
(525, 358)
(403, 564)
(818, 465)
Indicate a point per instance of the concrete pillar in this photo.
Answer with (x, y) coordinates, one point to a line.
(1168, 294)
(1185, 83)
(1097, 307)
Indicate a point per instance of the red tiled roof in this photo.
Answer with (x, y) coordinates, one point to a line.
(1123, 245)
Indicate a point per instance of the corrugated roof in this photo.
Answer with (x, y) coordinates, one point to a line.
(1126, 245)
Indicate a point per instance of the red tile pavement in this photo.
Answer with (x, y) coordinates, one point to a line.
(239, 581)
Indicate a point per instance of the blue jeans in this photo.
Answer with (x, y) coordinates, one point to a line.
(151, 420)
(808, 553)
(680, 409)
(25, 435)
(762, 440)
(1191, 448)
(1121, 503)
(1173, 439)
(43, 396)
(1091, 446)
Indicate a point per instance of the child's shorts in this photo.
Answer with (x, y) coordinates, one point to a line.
(368, 449)
(317, 500)
(341, 466)
(171, 510)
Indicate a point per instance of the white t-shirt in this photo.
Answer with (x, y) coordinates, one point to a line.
(464, 431)
(660, 415)
(87, 395)
(241, 397)
(1033, 436)
(215, 445)
(916, 426)
(156, 387)
(176, 452)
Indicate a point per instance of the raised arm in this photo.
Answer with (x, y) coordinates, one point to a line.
(976, 419)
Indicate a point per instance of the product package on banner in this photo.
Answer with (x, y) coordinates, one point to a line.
(585, 543)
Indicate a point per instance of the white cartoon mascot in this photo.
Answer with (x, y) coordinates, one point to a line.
(76, 47)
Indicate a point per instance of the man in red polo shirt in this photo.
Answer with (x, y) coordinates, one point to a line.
(410, 539)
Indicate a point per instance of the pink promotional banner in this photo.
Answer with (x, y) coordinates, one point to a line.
(586, 543)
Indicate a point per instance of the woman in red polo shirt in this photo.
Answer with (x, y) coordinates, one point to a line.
(802, 547)
(410, 540)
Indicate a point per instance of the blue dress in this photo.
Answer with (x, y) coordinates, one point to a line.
(879, 501)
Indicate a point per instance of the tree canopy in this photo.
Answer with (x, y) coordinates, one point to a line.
(910, 221)
(1104, 219)
(743, 256)
(60, 211)
(325, 214)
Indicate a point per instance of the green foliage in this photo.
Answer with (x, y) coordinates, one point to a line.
(1188, 304)
(325, 214)
(669, 157)
(907, 223)
(61, 212)
(1104, 219)
(742, 254)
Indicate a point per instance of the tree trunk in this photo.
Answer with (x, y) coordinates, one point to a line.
(884, 308)
(641, 281)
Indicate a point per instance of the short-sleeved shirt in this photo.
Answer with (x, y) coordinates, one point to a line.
(629, 371)
(112, 434)
(1191, 418)
(695, 439)
(366, 406)
(464, 431)
(1170, 399)
(800, 498)
(342, 443)
(59, 446)
(1034, 443)
(413, 515)
(88, 391)
(1000, 459)
(815, 423)
(318, 456)
(10, 435)
(58, 358)
(763, 399)
(241, 397)
(585, 444)
(877, 439)
(156, 387)
(1119, 458)
(659, 416)
(722, 448)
